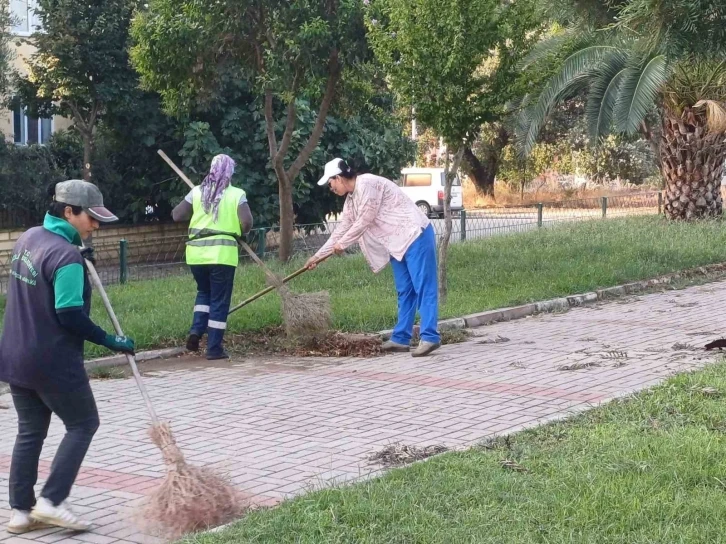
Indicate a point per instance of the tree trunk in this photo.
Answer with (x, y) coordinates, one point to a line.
(692, 164)
(484, 172)
(285, 177)
(482, 176)
(87, 155)
(287, 217)
(85, 122)
(444, 244)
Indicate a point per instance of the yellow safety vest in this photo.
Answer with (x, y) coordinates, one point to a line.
(204, 245)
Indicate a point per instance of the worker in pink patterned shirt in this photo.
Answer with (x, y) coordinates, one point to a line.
(389, 227)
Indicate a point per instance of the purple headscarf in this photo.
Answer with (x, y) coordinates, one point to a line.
(213, 186)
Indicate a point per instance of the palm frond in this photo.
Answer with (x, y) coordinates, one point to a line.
(550, 45)
(717, 74)
(695, 79)
(575, 72)
(604, 92)
(638, 92)
(715, 115)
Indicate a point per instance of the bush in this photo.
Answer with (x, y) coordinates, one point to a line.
(26, 173)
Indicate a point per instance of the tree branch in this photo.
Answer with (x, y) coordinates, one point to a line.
(78, 118)
(94, 115)
(291, 117)
(270, 122)
(314, 139)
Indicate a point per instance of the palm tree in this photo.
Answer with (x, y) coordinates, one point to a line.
(662, 57)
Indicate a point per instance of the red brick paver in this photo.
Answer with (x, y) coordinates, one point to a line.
(281, 427)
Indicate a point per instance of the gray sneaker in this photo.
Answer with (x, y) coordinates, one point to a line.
(394, 347)
(424, 348)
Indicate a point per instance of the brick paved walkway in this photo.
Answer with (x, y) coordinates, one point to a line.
(282, 427)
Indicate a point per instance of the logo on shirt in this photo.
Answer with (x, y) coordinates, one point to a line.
(26, 259)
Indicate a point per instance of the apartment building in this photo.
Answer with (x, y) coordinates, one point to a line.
(16, 126)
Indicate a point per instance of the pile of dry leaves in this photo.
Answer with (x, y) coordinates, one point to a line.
(332, 344)
(396, 455)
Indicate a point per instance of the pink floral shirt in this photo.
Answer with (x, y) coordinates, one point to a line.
(381, 218)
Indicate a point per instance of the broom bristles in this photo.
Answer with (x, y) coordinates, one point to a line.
(306, 314)
(190, 498)
(303, 314)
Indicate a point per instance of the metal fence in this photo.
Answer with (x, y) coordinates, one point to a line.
(122, 261)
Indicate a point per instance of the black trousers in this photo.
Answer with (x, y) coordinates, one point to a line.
(77, 410)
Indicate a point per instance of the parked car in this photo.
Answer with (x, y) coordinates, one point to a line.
(425, 186)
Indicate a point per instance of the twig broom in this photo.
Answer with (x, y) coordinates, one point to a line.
(303, 314)
(189, 498)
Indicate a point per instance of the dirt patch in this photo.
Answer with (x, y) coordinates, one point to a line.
(333, 344)
(274, 341)
(396, 455)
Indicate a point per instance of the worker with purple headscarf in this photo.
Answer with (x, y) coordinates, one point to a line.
(218, 214)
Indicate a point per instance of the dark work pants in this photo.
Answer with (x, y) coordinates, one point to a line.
(214, 293)
(77, 410)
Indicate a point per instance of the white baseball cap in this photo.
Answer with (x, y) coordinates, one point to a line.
(332, 169)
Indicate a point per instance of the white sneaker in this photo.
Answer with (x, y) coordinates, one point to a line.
(60, 516)
(21, 523)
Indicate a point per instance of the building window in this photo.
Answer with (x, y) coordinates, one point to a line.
(30, 130)
(26, 18)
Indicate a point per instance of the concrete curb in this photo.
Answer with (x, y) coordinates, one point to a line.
(119, 360)
(565, 303)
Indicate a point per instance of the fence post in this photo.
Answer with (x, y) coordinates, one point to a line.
(123, 260)
(604, 206)
(463, 225)
(660, 202)
(261, 242)
(540, 208)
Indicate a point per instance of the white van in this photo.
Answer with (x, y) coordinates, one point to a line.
(425, 186)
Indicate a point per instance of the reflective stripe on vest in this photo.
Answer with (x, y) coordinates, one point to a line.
(213, 242)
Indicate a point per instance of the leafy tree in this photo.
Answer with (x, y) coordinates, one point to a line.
(80, 67)
(519, 28)
(432, 52)
(235, 125)
(666, 57)
(6, 53)
(289, 50)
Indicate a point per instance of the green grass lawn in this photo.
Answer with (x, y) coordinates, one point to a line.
(649, 469)
(484, 274)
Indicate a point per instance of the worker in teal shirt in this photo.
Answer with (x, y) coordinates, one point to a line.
(41, 354)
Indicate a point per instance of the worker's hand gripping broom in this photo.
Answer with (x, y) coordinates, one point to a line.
(189, 498)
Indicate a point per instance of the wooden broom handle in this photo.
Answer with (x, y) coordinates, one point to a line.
(272, 287)
(176, 168)
(117, 327)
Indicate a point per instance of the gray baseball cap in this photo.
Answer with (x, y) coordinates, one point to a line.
(76, 192)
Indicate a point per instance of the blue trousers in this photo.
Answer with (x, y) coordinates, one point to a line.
(214, 293)
(416, 282)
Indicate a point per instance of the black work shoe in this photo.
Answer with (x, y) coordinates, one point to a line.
(219, 355)
(193, 342)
